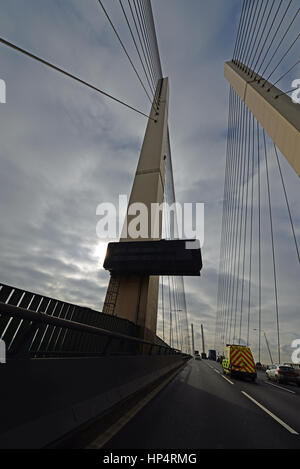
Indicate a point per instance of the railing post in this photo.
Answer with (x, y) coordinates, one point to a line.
(21, 347)
(109, 341)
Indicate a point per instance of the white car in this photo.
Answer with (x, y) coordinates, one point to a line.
(283, 374)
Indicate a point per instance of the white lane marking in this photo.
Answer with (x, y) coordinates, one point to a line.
(217, 371)
(285, 425)
(280, 387)
(227, 379)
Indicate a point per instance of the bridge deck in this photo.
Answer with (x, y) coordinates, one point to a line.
(200, 409)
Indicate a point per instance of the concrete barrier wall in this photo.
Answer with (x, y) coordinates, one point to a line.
(43, 399)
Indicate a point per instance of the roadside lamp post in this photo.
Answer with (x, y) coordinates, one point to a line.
(268, 347)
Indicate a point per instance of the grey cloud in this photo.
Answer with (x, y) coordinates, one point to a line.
(65, 149)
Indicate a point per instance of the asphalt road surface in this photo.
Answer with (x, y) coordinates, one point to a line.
(201, 409)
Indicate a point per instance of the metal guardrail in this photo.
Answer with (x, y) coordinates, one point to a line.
(13, 330)
(56, 329)
(53, 307)
(38, 322)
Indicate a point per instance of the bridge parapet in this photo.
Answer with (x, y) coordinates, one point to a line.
(21, 335)
(61, 374)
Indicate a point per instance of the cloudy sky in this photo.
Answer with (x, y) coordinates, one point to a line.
(65, 149)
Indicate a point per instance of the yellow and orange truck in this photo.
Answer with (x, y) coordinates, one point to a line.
(239, 362)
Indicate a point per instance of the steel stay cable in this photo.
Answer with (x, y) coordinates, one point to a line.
(228, 211)
(282, 59)
(241, 220)
(137, 49)
(176, 311)
(274, 36)
(173, 197)
(124, 49)
(137, 11)
(69, 75)
(250, 30)
(141, 43)
(235, 212)
(154, 87)
(220, 279)
(273, 245)
(236, 221)
(251, 44)
(171, 294)
(150, 36)
(252, 56)
(222, 250)
(279, 45)
(232, 215)
(234, 201)
(171, 317)
(232, 227)
(284, 75)
(145, 33)
(245, 230)
(251, 232)
(239, 30)
(267, 37)
(258, 41)
(286, 92)
(287, 202)
(179, 310)
(223, 213)
(261, 37)
(241, 39)
(259, 242)
(150, 27)
(153, 29)
(245, 30)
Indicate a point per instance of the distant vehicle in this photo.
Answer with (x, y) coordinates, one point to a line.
(283, 374)
(239, 362)
(220, 358)
(295, 366)
(212, 355)
(196, 355)
(203, 355)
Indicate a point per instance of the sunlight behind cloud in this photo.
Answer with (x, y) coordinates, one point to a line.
(100, 252)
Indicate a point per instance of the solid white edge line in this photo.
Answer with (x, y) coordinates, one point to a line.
(286, 426)
(227, 379)
(280, 387)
